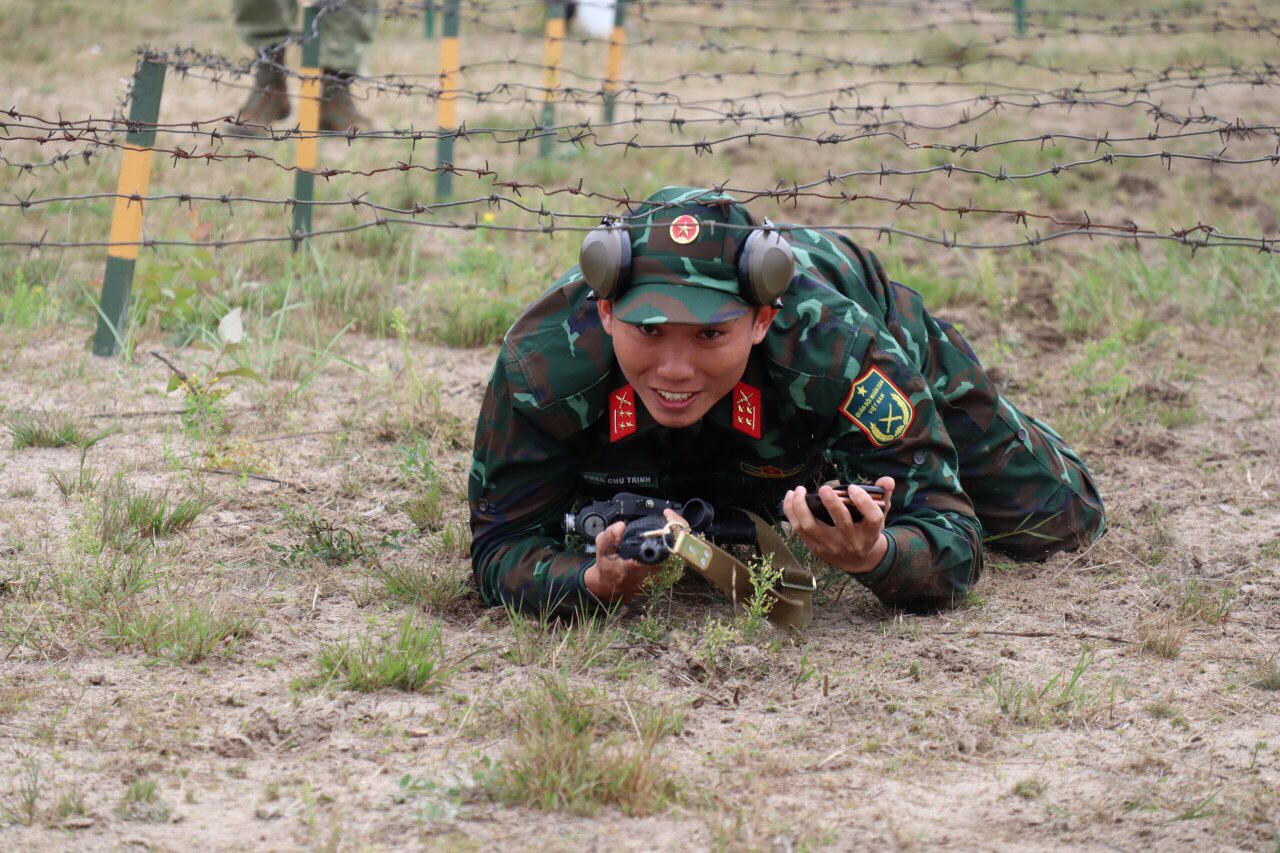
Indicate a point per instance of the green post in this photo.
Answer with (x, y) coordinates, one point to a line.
(447, 107)
(551, 59)
(429, 19)
(126, 218)
(1020, 16)
(309, 94)
(613, 66)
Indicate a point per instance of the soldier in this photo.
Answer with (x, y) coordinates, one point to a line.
(346, 30)
(665, 363)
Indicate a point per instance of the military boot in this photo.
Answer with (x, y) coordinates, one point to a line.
(338, 113)
(268, 103)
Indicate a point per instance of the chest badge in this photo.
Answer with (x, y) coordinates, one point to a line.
(878, 408)
(746, 409)
(622, 413)
(770, 472)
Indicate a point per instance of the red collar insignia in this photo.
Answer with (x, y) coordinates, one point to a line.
(622, 413)
(746, 409)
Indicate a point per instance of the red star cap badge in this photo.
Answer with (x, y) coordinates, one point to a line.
(684, 229)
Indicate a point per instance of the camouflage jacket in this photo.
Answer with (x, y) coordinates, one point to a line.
(830, 393)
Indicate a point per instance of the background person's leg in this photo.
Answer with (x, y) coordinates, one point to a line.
(262, 23)
(346, 32)
(1032, 493)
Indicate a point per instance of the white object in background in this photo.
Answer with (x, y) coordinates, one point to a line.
(595, 17)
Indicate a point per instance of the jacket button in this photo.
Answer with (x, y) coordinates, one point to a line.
(918, 457)
(484, 505)
(1022, 435)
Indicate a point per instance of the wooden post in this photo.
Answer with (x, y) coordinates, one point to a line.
(613, 66)
(551, 59)
(126, 217)
(447, 108)
(310, 92)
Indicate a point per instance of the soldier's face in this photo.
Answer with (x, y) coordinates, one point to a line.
(680, 371)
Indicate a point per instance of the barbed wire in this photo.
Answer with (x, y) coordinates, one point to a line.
(1197, 237)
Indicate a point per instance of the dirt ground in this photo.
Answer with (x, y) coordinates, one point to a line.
(874, 729)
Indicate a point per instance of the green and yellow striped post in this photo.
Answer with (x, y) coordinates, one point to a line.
(551, 59)
(613, 66)
(447, 108)
(126, 217)
(309, 95)
(1020, 16)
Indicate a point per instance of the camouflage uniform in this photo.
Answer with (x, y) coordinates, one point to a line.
(559, 425)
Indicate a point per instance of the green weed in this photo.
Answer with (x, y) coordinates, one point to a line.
(322, 540)
(573, 644)
(1197, 600)
(764, 577)
(51, 429)
(124, 516)
(438, 588)
(82, 481)
(182, 633)
(141, 802)
(576, 750)
(1064, 697)
(413, 658)
(1162, 635)
(24, 305)
(22, 806)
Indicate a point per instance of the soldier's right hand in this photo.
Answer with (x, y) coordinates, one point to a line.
(612, 578)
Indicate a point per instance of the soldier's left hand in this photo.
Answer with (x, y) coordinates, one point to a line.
(852, 546)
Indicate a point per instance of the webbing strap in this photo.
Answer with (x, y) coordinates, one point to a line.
(793, 597)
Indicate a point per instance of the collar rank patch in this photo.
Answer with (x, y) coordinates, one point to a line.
(746, 409)
(622, 413)
(878, 408)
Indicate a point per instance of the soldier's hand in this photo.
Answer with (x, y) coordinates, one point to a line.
(853, 547)
(615, 579)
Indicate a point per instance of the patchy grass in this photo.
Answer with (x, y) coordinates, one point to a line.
(183, 633)
(1061, 699)
(437, 588)
(1162, 635)
(52, 429)
(577, 749)
(322, 540)
(413, 658)
(126, 515)
(141, 802)
(573, 645)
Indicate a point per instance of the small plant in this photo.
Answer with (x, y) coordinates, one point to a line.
(141, 801)
(1065, 696)
(575, 750)
(1030, 789)
(322, 540)
(23, 805)
(575, 645)
(426, 509)
(438, 588)
(716, 635)
(764, 577)
(83, 482)
(204, 409)
(124, 515)
(1267, 676)
(51, 429)
(1162, 635)
(1196, 600)
(414, 658)
(181, 633)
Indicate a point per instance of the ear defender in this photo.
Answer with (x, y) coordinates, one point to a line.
(765, 266)
(605, 258)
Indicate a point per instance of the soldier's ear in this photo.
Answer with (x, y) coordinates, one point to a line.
(760, 323)
(605, 308)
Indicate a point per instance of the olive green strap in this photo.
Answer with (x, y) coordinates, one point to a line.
(793, 597)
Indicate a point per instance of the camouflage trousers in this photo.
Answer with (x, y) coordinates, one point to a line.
(345, 30)
(1031, 492)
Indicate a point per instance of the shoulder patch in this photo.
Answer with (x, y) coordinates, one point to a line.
(878, 408)
(746, 409)
(622, 413)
